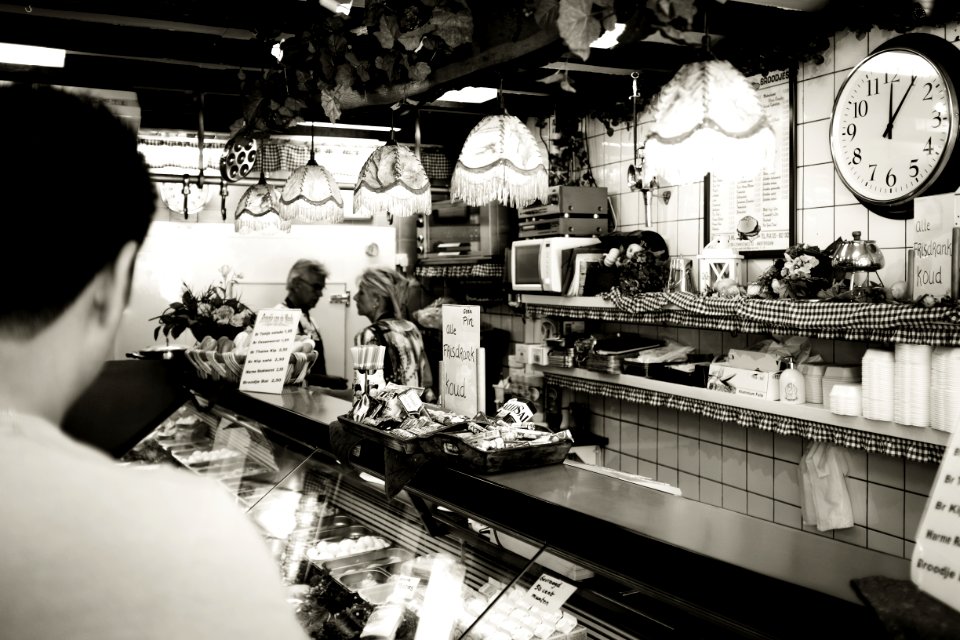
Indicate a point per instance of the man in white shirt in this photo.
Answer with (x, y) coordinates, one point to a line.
(88, 549)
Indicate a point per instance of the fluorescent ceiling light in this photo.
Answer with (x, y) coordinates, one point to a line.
(472, 95)
(28, 55)
(371, 479)
(337, 6)
(342, 125)
(609, 38)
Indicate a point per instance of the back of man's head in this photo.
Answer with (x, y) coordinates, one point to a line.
(75, 191)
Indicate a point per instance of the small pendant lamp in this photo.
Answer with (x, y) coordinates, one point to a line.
(707, 119)
(259, 210)
(393, 181)
(500, 160)
(311, 195)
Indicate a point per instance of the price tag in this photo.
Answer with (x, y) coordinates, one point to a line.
(550, 593)
(268, 355)
(404, 588)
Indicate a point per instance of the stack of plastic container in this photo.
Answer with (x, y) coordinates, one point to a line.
(839, 374)
(911, 397)
(877, 374)
(813, 381)
(944, 390)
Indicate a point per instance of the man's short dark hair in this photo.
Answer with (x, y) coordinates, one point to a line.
(75, 191)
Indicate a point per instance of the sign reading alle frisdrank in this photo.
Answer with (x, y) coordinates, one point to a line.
(269, 353)
(459, 379)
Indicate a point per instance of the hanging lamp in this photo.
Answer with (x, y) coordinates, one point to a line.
(259, 210)
(393, 181)
(500, 160)
(311, 195)
(707, 119)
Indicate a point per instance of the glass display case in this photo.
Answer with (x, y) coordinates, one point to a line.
(460, 555)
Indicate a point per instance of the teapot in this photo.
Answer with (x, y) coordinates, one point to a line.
(858, 255)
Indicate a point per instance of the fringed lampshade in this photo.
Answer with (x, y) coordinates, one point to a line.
(311, 195)
(500, 160)
(259, 210)
(707, 119)
(392, 180)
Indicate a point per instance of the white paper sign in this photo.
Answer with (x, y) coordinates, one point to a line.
(550, 593)
(461, 359)
(930, 235)
(269, 353)
(935, 566)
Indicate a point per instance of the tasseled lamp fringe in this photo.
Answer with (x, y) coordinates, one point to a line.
(397, 200)
(500, 181)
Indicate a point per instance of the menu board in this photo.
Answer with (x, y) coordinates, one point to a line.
(268, 355)
(756, 213)
(935, 564)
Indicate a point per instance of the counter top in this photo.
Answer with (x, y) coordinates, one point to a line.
(654, 540)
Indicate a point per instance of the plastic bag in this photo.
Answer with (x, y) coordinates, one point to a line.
(672, 351)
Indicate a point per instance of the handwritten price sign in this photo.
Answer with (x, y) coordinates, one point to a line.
(461, 358)
(269, 354)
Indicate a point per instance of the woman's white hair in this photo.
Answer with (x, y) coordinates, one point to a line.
(389, 284)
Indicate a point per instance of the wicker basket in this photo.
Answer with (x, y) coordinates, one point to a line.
(229, 366)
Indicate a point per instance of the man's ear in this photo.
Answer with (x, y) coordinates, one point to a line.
(112, 289)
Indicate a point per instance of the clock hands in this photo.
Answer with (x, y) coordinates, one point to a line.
(888, 132)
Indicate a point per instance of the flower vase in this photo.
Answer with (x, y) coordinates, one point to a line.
(215, 331)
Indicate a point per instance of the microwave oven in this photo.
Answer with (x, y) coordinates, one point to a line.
(539, 264)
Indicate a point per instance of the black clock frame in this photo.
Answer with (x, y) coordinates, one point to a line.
(947, 57)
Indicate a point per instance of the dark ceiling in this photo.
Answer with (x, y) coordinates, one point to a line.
(181, 55)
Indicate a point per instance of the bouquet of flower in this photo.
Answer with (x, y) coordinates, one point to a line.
(216, 312)
(803, 272)
(642, 270)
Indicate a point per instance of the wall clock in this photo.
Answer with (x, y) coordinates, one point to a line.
(894, 127)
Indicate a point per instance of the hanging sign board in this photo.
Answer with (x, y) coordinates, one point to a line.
(459, 379)
(930, 235)
(269, 353)
(935, 565)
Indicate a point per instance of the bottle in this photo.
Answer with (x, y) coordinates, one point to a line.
(792, 386)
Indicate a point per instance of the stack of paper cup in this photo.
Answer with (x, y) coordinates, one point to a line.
(944, 390)
(877, 373)
(911, 397)
(846, 399)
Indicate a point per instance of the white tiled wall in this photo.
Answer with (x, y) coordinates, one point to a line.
(751, 471)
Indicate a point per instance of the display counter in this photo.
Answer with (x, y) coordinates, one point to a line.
(659, 565)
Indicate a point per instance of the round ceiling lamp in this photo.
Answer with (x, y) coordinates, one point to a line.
(311, 195)
(707, 119)
(393, 181)
(500, 160)
(259, 210)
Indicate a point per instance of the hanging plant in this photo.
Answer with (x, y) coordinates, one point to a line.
(335, 60)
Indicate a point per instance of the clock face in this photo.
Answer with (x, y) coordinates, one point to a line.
(894, 126)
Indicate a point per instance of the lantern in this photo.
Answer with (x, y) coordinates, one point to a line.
(259, 210)
(719, 261)
(392, 180)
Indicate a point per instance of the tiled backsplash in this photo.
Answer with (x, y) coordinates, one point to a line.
(749, 470)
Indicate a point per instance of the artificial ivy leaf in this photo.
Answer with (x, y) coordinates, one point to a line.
(410, 40)
(577, 26)
(553, 78)
(546, 12)
(667, 11)
(330, 104)
(389, 30)
(344, 75)
(419, 71)
(454, 29)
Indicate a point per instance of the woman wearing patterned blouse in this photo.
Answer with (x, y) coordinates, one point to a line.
(380, 295)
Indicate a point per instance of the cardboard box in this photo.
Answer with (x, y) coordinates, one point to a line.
(753, 360)
(756, 384)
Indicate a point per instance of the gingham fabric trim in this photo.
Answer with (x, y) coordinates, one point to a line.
(784, 425)
(460, 271)
(277, 155)
(872, 322)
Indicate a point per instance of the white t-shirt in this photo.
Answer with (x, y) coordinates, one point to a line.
(90, 550)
